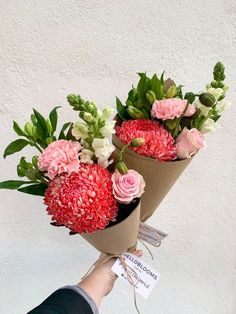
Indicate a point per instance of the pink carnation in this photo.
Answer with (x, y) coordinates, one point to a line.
(171, 108)
(127, 186)
(159, 143)
(189, 142)
(82, 201)
(59, 157)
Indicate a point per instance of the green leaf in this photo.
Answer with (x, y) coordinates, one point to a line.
(190, 97)
(62, 134)
(34, 189)
(157, 86)
(13, 184)
(15, 147)
(53, 118)
(142, 87)
(120, 109)
(41, 125)
(17, 129)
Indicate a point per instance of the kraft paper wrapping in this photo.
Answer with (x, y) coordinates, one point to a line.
(159, 176)
(118, 238)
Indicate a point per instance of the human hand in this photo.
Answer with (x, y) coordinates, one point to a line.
(100, 281)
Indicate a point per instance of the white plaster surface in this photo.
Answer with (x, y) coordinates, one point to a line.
(51, 48)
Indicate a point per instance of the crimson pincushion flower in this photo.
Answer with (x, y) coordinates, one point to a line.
(159, 143)
(82, 201)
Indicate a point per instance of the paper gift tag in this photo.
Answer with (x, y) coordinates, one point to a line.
(151, 235)
(144, 276)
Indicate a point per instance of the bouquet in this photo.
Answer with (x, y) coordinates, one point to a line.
(73, 170)
(173, 126)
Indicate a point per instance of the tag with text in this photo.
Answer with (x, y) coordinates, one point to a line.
(144, 277)
(151, 235)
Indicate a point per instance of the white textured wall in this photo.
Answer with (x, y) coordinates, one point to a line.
(51, 48)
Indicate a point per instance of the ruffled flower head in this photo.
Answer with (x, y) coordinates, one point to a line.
(60, 157)
(171, 108)
(159, 143)
(82, 201)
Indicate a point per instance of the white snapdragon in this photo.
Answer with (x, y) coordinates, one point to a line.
(222, 105)
(102, 150)
(209, 126)
(104, 162)
(80, 130)
(86, 156)
(102, 147)
(108, 129)
(106, 113)
(216, 92)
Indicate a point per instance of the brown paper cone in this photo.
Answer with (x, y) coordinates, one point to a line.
(118, 238)
(159, 176)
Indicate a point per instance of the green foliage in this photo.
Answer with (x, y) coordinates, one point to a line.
(34, 189)
(190, 97)
(140, 99)
(53, 116)
(13, 184)
(121, 109)
(62, 135)
(15, 146)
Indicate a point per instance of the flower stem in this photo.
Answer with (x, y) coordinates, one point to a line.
(176, 130)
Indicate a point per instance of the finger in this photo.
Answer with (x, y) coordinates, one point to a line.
(138, 253)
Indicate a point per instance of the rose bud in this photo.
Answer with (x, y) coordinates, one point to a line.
(207, 99)
(151, 96)
(121, 167)
(171, 93)
(135, 113)
(138, 141)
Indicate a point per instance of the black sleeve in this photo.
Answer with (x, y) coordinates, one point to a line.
(63, 301)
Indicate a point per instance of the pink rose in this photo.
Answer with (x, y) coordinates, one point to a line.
(189, 142)
(59, 157)
(127, 186)
(171, 108)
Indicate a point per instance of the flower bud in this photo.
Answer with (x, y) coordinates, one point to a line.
(121, 167)
(107, 112)
(73, 99)
(90, 108)
(32, 174)
(129, 102)
(29, 128)
(49, 126)
(207, 99)
(171, 123)
(138, 141)
(171, 92)
(35, 161)
(135, 113)
(151, 96)
(48, 140)
(86, 116)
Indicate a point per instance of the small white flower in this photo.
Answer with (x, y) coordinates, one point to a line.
(222, 105)
(108, 129)
(209, 126)
(216, 92)
(102, 147)
(204, 109)
(86, 156)
(104, 162)
(80, 130)
(107, 112)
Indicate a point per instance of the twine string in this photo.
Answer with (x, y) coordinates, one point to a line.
(126, 267)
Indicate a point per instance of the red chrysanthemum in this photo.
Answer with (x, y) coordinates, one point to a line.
(82, 201)
(159, 143)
